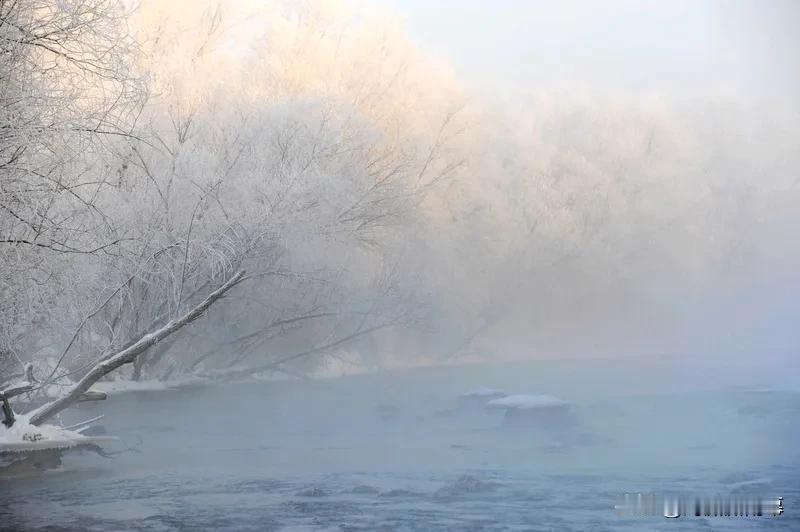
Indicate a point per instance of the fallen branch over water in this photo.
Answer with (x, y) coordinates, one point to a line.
(129, 354)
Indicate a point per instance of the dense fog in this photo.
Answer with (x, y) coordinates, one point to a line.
(388, 211)
(593, 208)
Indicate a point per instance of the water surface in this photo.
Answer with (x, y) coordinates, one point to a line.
(394, 452)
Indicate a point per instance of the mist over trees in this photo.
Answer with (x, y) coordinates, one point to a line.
(631, 224)
(223, 189)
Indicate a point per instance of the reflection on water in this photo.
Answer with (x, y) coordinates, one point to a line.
(397, 452)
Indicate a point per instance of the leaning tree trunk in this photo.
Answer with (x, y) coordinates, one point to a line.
(151, 360)
(130, 353)
(137, 367)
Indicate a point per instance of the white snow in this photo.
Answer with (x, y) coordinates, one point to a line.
(526, 402)
(788, 388)
(484, 391)
(122, 385)
(23, 436)
(16, 384)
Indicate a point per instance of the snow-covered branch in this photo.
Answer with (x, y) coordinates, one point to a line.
(129, 354)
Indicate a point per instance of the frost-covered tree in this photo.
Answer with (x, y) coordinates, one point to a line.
(308, 184)
(330, 171)
(66, 90)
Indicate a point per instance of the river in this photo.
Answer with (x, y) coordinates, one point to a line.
(394, 451)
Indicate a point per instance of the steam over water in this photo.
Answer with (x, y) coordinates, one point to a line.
(218, 190)
(395, 451)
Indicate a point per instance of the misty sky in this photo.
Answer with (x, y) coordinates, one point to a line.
(686, 47)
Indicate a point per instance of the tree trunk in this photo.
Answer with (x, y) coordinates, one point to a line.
(152, 358)
(137, 367)
(129, 354)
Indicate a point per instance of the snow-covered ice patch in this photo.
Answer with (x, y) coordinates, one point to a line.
(535, 411)
(526, 402)
(484, 391)
(790, 388)
(474, 400)
(23, 437)
(119, 386)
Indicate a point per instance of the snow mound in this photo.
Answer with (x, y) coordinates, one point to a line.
(526, 402)
(121, 385)
(23, 437)
(484, 391)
